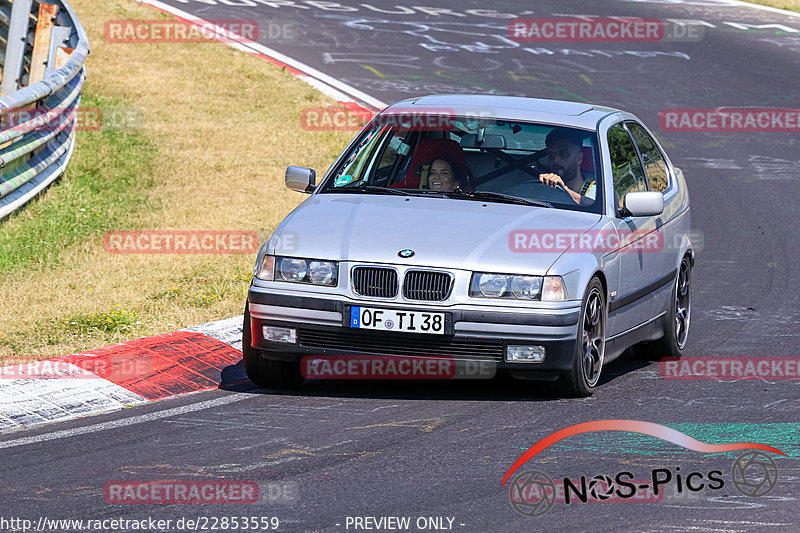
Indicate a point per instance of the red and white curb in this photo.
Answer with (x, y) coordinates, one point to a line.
(139, 371)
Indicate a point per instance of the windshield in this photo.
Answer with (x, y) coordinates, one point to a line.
(485, 159)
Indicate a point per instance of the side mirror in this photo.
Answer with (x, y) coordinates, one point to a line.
(643, 204)
(300, 179)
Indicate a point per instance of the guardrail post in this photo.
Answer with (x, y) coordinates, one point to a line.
(15, 49)
(59, 39)
(41, 42)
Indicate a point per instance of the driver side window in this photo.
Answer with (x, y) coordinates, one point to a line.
(626, 168)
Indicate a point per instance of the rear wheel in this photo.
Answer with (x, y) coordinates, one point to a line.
(267, 372)
(590, 346)
(676, 323)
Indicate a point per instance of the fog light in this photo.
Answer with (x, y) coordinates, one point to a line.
(525, 354)
(275, 334)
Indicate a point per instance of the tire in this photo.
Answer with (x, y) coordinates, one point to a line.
(587, 358)
(678, 318)
(267, 372)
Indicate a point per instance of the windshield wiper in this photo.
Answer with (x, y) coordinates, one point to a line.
(488, 195)
(387, 190)
(370, 189)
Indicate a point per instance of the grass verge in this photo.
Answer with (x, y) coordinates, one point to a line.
(105, 181)
(789, 5)
(219, 128)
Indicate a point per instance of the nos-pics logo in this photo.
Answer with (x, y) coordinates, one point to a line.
(534, 493)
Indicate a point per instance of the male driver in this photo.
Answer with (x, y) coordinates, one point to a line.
(564, 157)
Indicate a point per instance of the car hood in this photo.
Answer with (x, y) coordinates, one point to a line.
(442, 232)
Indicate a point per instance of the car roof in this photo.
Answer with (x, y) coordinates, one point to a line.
(557, 112)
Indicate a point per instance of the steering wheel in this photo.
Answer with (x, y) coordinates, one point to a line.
(557, 187)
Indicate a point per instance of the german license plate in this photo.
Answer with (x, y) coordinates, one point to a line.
(397, 320)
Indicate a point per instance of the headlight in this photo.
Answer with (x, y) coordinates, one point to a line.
(311, 271)
(322, 272)
(526, 287)
(486, 285)
(292, 269)
(492, 285)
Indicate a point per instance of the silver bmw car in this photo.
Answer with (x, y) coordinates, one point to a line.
(539, 236)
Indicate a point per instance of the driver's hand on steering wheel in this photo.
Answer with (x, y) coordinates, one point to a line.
(554, 180)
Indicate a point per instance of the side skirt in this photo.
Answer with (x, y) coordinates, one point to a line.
(648, 331)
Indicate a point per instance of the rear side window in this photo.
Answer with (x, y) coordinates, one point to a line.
(626, 168)
(654, 165)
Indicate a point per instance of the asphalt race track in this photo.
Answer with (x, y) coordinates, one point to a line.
(340, 449)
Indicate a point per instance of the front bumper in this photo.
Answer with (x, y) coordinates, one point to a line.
(479, 333)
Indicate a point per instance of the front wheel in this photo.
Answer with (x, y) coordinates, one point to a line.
(590, 346)
(266, 372)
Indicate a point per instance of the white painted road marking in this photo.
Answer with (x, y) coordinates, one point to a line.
(123, 422)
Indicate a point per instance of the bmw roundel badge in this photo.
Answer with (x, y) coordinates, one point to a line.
(405, 254)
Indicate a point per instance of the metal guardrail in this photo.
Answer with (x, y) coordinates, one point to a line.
(43, 47)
